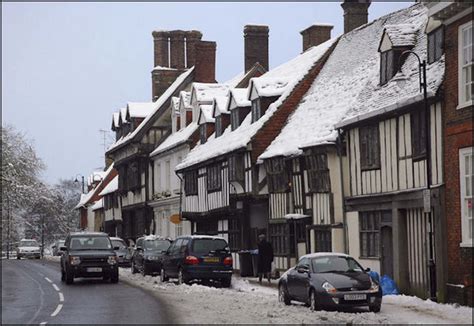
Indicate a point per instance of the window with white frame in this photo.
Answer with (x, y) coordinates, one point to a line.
(466, 85)
(466, 174)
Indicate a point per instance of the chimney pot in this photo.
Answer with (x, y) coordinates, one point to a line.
(256, 46)
(356, 13)
(160, 41)
(191, 38)
(315, 35)
(205, 65)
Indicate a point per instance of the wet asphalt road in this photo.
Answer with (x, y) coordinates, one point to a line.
(32, 293)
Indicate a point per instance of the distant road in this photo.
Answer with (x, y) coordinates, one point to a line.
(32, 293)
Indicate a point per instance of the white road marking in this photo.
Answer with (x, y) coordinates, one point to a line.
(61, 297)
(56, 287)
(47, 279)
(58, 309)
(44, 323)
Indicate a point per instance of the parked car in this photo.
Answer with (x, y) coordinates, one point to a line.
(124, 256)
(56, 247)
(330, 280)
(147, 255)
(89, 254)
(28, 248)
(198, 257)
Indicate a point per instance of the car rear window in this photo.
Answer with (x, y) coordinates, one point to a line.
(204, 246)
(119, 243)
(157, 244)
(90, 243)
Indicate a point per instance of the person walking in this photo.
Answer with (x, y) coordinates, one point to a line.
(265, 258)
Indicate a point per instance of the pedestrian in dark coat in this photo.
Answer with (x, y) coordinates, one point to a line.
(265, 258)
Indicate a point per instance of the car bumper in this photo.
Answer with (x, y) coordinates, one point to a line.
(215, 274)
(88, 271)
(152, 266)
(124, 262)
(340, 299)
(29, 254)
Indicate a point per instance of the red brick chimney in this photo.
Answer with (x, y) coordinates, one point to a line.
(205, 65)
(160, 41)
(356, 13)
(191, 38)
(177, 49)
(256, 46)
(315, 35)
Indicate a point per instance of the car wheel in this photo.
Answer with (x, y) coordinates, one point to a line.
(375, 308)
(144, 270)
(134, 269)
(69, 278)
(313, 301)
(18, 257)
(114, 278)
(63, 275)
(226, 282)
(181, 277)
(283, 295)
(163, 277)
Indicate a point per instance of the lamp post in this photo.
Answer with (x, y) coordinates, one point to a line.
(77, 180)
(427, 192)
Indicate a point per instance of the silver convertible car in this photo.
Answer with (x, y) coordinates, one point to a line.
(330, 280)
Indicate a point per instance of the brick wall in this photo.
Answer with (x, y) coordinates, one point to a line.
(458, 133)
(273, 126)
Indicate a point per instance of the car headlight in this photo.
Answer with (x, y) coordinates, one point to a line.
(153, 257)
(329, 288)
(74, 260)
(374, 287)
(112, 260)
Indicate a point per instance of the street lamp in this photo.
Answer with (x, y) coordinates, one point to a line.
(427, 192)
(77, 180)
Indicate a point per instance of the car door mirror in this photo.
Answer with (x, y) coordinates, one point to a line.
(367, 270)
(116, 248)
(303, 269)
(62, 248)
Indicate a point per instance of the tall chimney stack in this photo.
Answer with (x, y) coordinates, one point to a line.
(315, 35)
(160, 41)
(205, 65)
(177, 49)
(256, 46)
(191, 38)
(356, 13)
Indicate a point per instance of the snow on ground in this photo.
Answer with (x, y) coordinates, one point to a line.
(246, 302)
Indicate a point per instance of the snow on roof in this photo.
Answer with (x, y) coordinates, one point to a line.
(111, 187)
(206, 114)
(156, 107)
(175, 103)
(402, 34)
(324, 254)
(295, 216)
(96, 176)
(234, 81)
(123, 114)
(185, 97)
(115, 119)
(84, 199)
(230, 141)
(98, 205)
(164, 68)
(206, 92)
(152, 237)
(176, 139)
(270, 86)
(220, 105)
(348, 85)
(240, 97)
(139, 109)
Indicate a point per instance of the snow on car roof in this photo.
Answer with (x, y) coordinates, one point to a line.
(324, 254)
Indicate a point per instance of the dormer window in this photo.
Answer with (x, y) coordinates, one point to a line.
(387, 66)
(218, 126)
(435, 44)
(234, 119)
(256, 110)
(203, 132)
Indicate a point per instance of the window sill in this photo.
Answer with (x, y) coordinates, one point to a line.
(466, 245)
(464, 105)
(369, 258)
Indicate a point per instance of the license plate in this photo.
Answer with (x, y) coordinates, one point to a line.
(355, 296)
(211, 259)
(94, 269)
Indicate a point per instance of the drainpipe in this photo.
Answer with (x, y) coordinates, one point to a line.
(344, 216)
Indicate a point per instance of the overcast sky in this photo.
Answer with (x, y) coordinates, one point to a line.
(67, 67)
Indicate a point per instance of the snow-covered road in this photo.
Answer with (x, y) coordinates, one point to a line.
(249, 303)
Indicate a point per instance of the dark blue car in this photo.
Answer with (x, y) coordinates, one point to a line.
(198, 257)
(330, 280)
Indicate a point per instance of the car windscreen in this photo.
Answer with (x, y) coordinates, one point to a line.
(160, 245)
(90, 243)
(204, 246)
(119, 243)
(337, 264)
(28, 243)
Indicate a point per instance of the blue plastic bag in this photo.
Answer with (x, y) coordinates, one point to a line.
(388, 286)
(375, 276)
